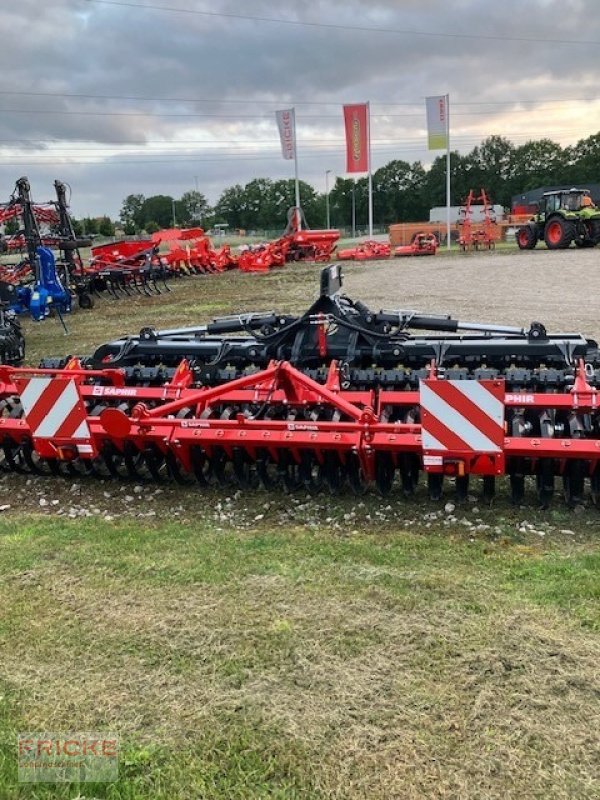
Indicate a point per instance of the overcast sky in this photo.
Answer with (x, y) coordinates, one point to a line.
(121, 97)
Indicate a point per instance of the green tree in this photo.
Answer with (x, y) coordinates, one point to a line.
(106, 226)
(89, 226)
(230, 207)
(152, 227)
(340, 203)
(159, 209)
(259, 211)
(399, 193)
(435, 181)
(282, 195)
(192, 208)
(496, 157)
(131, 212)
(583, 161)
(539, 163)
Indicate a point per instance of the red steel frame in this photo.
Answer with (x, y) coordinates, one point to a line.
(360, 432)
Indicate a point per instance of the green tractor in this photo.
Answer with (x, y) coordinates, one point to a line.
(563, 216)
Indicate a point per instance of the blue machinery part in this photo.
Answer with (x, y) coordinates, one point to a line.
(46, 292)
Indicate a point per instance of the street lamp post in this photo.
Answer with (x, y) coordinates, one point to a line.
(327, 173)
(173, 208)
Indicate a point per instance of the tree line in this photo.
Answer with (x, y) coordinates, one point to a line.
(402, 191)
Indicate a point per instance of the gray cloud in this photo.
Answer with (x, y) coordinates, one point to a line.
(86, 48)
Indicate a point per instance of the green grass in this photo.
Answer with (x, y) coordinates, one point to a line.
(283, 663)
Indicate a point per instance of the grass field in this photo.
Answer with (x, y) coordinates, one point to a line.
(267, 646)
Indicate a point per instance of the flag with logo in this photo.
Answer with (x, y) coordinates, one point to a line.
(356, 121)
(437, 122)
(286, 122)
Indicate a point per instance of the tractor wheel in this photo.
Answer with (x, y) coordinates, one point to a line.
(527, 237)
(594, 232)
(559, 233)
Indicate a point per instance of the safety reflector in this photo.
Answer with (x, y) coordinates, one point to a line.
(55, 412)
(462, 416)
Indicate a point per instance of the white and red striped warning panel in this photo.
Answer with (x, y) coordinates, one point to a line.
(462, 418)
(55, 414)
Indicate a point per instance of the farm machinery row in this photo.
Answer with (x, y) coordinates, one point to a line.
(39, 282)
(339, 396)
(421, 244)
(191, 251)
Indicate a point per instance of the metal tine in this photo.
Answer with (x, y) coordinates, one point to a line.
(574, 482)
(332, 472)
(435, 486)
(545, 482)
(14, 457)
(175, 470)
(134, 282)
(462, 488)
(384, 472)
(244, 469)
(488, 491)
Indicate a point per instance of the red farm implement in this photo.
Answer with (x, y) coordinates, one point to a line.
(339, 396)
(422, 244)
(191, 252)
(300, 243)
(366, 251)
(297, 243)
(261, 258)
(126, 268)
(477, 234)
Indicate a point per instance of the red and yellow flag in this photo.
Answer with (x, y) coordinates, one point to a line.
(356, 120)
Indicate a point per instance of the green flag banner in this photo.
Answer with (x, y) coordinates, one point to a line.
(437, 122)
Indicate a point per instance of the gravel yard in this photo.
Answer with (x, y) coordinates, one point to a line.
(558, 288)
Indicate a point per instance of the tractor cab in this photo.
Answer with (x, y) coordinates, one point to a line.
(570, 201)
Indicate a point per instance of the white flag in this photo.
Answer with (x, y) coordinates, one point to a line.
(286, 122)
(437, 122)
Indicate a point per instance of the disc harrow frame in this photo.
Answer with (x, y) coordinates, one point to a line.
(278, 426)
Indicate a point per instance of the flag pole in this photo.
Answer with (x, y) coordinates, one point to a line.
(448, 241)
(297, 179)
(370, 171)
